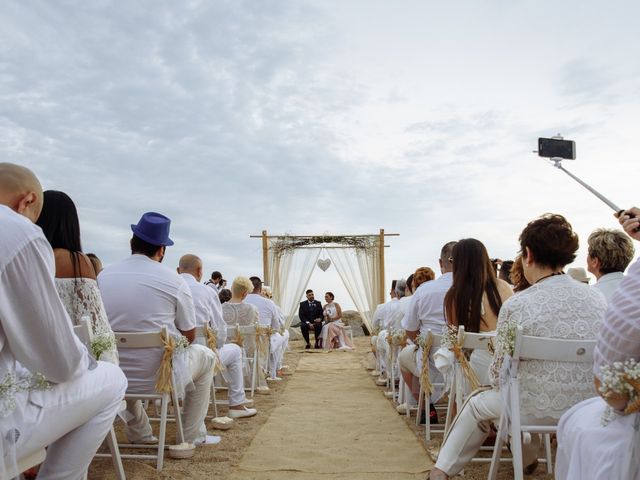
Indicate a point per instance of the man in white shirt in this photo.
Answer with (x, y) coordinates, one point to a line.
(73, 414)
(142, 295)
(610, 252)
(209, 312)
(425, 312)
(270, 316)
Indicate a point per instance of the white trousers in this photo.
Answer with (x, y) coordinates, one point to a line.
(196, 402)
(382, 352)
(470, 429)
(72, 419)
(231, 356)
(279, 345)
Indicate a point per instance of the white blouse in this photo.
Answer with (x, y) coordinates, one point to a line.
(80, 297)
(557, 307)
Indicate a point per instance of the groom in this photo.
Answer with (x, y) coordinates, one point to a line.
(310, 313)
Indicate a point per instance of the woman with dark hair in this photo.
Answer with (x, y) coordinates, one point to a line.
(475, 297)
(554, 306)
(333, 335)
(75, 274)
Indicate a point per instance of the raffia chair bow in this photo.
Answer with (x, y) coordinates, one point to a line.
(163, 380)
(425, 381)
(468, 372)
(239, 338)
(212, 342)
(263, 334)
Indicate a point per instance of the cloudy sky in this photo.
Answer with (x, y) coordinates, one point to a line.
(311, 117)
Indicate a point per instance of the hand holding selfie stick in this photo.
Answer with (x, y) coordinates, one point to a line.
(556, 148)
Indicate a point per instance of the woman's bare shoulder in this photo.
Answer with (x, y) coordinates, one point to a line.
(504, 289)
(65, 265)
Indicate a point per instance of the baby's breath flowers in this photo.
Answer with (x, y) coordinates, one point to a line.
(620, 379)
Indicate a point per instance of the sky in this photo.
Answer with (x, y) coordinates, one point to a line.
(322, 117)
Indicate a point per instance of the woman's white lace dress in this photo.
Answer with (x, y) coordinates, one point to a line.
(80, 297)
(557, 307)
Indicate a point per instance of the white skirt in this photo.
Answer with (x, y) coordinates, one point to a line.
(587, 450)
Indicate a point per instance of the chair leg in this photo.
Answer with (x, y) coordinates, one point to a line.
(497, 450)
(547, 448)
(178, 415)
(420, 405)
(452, 399)
(112, 442)
(213, 396)
(163, 430)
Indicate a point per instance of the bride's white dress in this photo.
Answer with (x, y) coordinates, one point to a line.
(333, 332)
(81, 297)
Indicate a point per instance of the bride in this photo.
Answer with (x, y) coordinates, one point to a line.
(333, 335)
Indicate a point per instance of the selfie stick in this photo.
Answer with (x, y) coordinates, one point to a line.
(557, 162)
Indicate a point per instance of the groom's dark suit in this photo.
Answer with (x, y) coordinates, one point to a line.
(310, 313)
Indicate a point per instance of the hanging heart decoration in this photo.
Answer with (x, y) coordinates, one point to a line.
(324, 264)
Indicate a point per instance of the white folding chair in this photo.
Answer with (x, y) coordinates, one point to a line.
(250, 356)
(533, 348)
(152, 340)
(84, 331)
(457, 390)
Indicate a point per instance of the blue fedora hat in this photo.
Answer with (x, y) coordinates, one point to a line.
(153, 228)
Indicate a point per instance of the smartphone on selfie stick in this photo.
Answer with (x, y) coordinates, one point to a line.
(557, 149)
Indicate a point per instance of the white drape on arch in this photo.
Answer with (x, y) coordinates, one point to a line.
(289, 274)
(359, 270)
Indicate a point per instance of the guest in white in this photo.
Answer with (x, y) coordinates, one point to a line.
(586, 449)
(73, 414)
(610, 253)
(555, 306)
(75, 275)
(379, 327)
(393, 311)
(142, 295)
(209, 313)
(270, 316)
(425, 312)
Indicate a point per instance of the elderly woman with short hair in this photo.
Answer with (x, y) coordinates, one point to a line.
(610, 253)
(554, 306)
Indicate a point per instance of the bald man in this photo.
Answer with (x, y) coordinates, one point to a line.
(209, 313)
(73, 414)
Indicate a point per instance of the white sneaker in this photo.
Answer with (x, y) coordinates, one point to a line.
(245, 412)
(381, 382)
(263, 391)
(274, 379)
(402, 409)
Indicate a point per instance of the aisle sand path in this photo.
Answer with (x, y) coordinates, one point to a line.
(333, 423)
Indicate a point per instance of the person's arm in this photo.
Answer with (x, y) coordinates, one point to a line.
(410, 321)
(629, 223)
(302, 314)
(185, 311)
(33, 319)
(338, 312)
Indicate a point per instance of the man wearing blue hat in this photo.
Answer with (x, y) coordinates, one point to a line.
(142, 295)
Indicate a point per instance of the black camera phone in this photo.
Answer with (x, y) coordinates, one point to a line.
(555, 148)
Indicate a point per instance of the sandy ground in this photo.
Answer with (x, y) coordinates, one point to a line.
(221, 461)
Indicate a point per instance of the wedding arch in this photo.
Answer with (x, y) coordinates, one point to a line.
(289, 261)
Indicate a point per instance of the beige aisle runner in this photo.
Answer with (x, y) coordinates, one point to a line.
(333, 423)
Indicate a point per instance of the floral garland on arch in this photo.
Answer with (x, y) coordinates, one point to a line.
(286, 244)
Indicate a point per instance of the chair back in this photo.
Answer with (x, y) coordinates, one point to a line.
(553, 349)
(475, 341)
(141, 339)
(84, 331)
